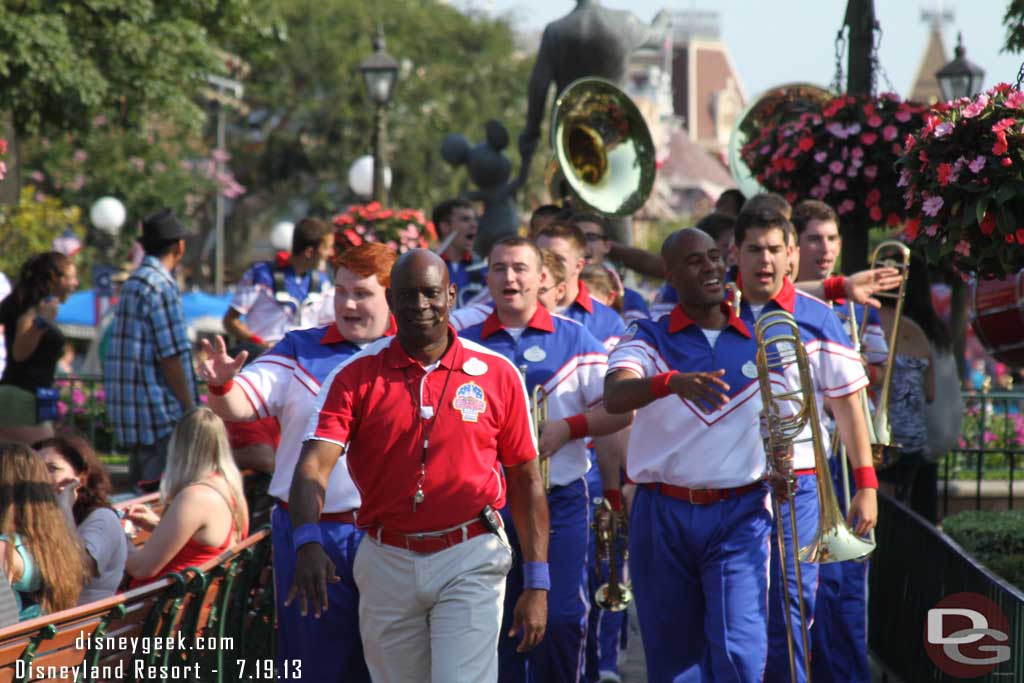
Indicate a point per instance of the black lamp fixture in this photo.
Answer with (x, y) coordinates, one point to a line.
(379, 71)
(960, 78)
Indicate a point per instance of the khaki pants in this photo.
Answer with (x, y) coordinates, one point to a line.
(432, 616)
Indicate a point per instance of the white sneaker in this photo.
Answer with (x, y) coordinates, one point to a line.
(608, 677)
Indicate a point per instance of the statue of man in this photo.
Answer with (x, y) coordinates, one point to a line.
(589, 41)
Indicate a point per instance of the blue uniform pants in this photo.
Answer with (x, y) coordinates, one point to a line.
(559, 657)
(700, 579)
(840, 647)
(606, 631)
(329, 647)
(806, 502)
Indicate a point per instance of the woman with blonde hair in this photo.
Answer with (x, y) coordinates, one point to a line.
(34, 537)
(204, 506)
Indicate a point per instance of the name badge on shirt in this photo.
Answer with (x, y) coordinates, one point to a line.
(470, 401)
(474, 367)
(534, 354)
(749, 370)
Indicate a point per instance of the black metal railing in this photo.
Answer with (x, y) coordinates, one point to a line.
(915, 567)
(991, 442)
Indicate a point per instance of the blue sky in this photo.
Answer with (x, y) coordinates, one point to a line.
(778, 41)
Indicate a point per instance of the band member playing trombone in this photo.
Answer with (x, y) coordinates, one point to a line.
(763, 252)
(839, 646)
(700, 520)
(569, 364)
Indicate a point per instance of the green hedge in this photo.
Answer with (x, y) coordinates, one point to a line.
(996, 539)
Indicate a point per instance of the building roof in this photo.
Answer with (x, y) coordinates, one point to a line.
(926, 87)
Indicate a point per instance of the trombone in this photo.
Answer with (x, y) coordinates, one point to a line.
(786, 413)
(615, 594)
(539, 412)
(897, 255)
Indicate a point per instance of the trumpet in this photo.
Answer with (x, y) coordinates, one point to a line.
(898, 256)
(539, 411)
(786, 414)
(613, 595)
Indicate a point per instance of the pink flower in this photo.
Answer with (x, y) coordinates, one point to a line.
(62, 408)
(903, 116)
(977, 164)
(931, 230)
(839, 185)
(889, 133)
(818, 192)
(976, 107)
(837, 130)
(845, 207)
(943, 129)
(869, 138)
(944, 171)
(1015, 99)
(1000, 146)
(874, 121)
(870, 172)
(1003, 124)
(99, 121)
(963, 247)
(204, 399)
(79, 156)
(932, 206)
(858, 152)
(904, 177)
(220, 155)
(836, 167)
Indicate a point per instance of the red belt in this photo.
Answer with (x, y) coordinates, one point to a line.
(804, 473)
(343, 517)
(701, 496)
(430, 542)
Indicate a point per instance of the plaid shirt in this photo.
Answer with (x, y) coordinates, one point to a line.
(149, 326)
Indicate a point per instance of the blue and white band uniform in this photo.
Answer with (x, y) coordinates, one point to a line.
(566, 361)
(569, 363)
(699, 572)
(298, 305)
(836, 372)
(285, 382)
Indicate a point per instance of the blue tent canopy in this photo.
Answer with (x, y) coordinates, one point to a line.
(79, 310)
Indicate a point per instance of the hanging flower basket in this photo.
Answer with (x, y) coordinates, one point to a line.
(400, 229)
(842, 154)
(962, 179)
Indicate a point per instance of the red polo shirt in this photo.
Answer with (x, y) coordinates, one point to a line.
(373, 405)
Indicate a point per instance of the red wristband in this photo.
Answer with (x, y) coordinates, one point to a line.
(659, 384)
(220, 389)
(865, 478)
(614, 498)
(872, 374)
(578, 426)
(257, 339)
(835, 287)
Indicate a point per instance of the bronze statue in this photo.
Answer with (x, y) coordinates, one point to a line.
(589, 41)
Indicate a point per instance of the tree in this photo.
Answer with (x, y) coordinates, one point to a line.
(458, 71)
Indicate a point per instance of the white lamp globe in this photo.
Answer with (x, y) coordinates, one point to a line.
(360, 176)
(108, 215)
(281, 236)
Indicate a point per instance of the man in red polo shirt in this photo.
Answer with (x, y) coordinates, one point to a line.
(425, 419)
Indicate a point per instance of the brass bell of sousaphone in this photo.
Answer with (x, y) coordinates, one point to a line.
(777, 105)
(603, 152)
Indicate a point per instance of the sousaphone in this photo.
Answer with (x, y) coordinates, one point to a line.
(603, 152)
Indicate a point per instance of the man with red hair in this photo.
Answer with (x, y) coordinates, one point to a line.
(284, 383)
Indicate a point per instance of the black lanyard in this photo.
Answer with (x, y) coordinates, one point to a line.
(427, 430)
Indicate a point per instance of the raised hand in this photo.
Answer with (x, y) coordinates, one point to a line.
(862, 286)
(219, 368)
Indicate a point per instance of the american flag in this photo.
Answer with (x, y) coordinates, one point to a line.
(67, 243)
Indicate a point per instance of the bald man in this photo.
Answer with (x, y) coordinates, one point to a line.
(427, 418)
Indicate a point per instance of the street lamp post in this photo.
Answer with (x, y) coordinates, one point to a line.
(379, 72)
(960, 78)
(107, 215)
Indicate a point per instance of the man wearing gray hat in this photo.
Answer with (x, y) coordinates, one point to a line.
(148, 370)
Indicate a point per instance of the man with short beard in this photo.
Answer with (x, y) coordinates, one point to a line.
(435, 429)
